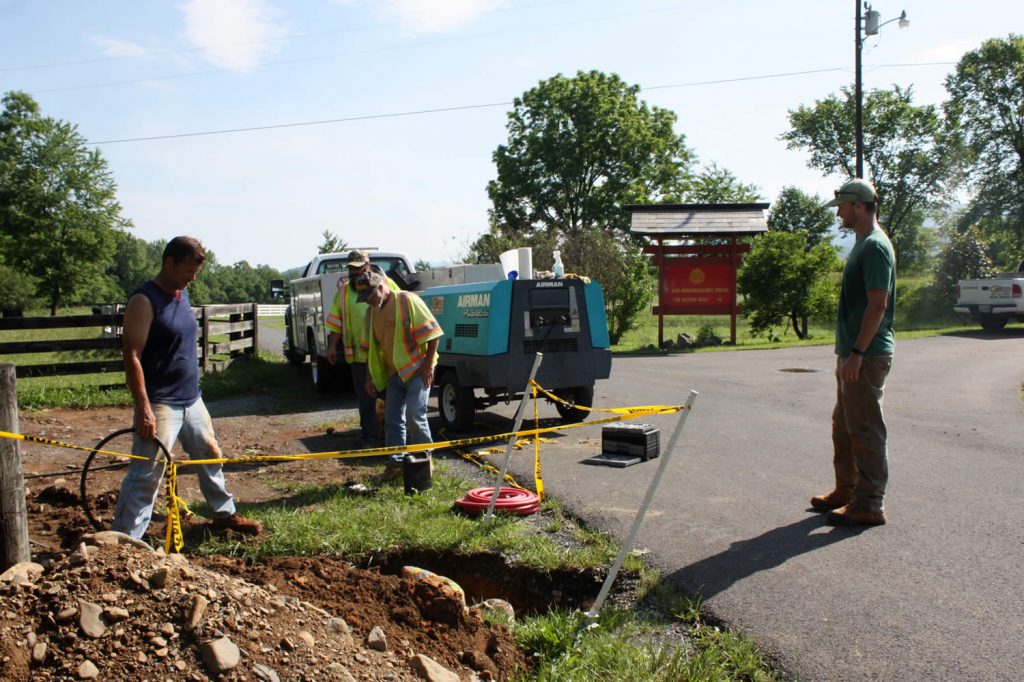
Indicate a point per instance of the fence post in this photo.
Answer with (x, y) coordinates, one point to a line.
(235, 336)
(255, 330)
(14, 546)
(206, 339)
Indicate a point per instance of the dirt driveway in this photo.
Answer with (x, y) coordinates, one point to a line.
(415, 622)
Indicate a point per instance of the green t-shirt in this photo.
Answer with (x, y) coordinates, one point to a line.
(871, 265)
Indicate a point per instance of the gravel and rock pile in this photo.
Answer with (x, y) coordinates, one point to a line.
(115, 609)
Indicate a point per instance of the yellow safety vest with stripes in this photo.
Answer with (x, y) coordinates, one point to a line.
(415, 327)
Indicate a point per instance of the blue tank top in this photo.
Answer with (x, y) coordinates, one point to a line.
(169, 360)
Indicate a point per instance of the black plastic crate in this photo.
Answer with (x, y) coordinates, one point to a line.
(640, 440)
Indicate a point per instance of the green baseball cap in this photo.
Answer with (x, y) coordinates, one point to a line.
(854, 190)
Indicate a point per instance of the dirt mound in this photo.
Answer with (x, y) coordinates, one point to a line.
(115, 609)
(288, 617)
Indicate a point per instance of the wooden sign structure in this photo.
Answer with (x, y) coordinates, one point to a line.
(697, 269)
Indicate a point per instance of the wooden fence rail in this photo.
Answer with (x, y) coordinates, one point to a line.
(239, 322)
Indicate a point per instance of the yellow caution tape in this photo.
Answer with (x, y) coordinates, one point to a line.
(175, 505)
(538, 479)
(59, 444)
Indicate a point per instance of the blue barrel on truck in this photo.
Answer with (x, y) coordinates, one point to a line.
(494, 329)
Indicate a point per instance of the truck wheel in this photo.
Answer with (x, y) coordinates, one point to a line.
(455, 403)
(321, 372)
(580, 395)
(991, 323)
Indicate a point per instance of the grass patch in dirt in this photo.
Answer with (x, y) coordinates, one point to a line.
(646, 632)
(315, 519)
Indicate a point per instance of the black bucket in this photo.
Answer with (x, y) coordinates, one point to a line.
(416, 473)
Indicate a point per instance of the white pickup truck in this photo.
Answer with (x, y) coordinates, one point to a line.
(993, 302)
(311, 297)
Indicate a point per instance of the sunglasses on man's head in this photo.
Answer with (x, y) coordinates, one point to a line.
(855, 197)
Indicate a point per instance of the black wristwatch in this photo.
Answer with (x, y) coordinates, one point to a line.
(857, 351)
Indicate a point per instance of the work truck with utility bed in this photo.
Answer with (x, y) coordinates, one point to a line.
(310, 298)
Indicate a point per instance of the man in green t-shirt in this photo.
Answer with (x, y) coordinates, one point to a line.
(864, 348)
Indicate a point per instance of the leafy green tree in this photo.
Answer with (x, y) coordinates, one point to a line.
(422, 265)
(785, 283)
(986, 112)
(906, 156)
(717, 185)
(16, 291)
(626, 275)
(963, 257)
(133, 262)
(58, 206)
(797, 211)
(578, 149)
(331, 243)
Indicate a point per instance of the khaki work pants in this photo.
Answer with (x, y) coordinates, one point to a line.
(860, 455)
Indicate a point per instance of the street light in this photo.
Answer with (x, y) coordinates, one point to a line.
(870, 24)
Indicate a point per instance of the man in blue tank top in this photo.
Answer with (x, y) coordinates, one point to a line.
(162, 370)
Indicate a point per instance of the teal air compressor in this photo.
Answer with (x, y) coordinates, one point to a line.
(492, 331)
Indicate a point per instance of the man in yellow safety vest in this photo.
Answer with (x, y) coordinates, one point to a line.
(401, 345)
(347, 326)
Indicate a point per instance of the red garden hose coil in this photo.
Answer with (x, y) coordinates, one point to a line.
(511, 500)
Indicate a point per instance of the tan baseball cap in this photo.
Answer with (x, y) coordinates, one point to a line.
(357, 258)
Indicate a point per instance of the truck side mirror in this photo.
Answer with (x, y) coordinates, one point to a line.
(277, 288)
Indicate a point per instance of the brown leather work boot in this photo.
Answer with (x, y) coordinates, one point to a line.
(851, 515)
(833, 500)
(239, 524)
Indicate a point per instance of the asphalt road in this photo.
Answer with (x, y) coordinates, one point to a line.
(271, 339)
(937, 594)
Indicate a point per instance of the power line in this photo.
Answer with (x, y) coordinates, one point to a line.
(304, 123)
(468, 107)
(426, 43)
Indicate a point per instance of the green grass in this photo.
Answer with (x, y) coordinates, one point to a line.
(625, 645)
(272, 321)
(325, 520)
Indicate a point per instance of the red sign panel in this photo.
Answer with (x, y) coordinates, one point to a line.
(697, 285)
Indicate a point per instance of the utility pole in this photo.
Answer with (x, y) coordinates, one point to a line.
(858, 121)
(865, 25)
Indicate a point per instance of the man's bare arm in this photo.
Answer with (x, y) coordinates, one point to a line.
(138, 318)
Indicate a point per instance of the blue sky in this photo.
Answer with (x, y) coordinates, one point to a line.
(415, 182)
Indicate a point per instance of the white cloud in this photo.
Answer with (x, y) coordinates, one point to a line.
(233, 34)
(112, 47)
(433, 16)
(950, 51)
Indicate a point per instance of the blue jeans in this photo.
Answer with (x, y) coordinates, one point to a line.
(367, 403)
(406, 403)
(141, 484)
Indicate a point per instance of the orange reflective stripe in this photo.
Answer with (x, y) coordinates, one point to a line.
(406, 320)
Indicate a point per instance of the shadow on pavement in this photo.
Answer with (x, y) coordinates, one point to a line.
(744, 558)
(1005, 334)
